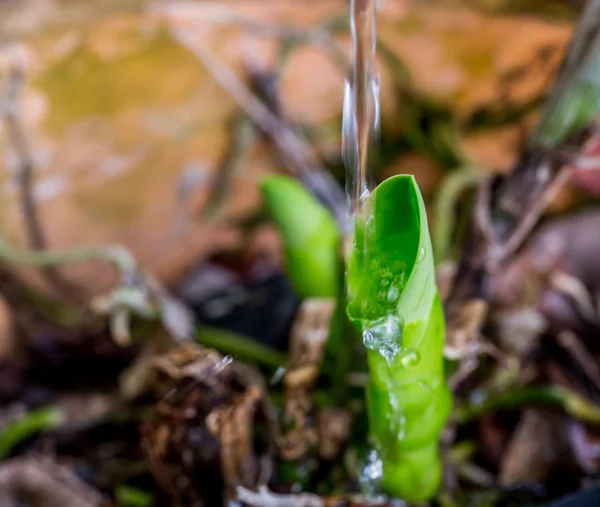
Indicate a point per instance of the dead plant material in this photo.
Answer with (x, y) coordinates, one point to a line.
(519, 330)
(265, 498)
(307, 345)
(297, 154)
(463, 333)
(45, 483)
(537, 446)
(333, 429)
(513, 204)
(204, 435)
(557, 271)
(140, 375)
(579, 353)
(233, 425)
(464, 342)
(576, 291)
(444, 278)
(585, 451)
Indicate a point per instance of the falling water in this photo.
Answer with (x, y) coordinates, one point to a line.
(361, 105)
(360, 130)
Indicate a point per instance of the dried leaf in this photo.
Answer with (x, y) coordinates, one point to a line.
(462, 334)
(308, 338)
(202, 441)
(45, 483)
(264, 498)
(233, 425)
(537, 445)
(333, 429)
(519, 330)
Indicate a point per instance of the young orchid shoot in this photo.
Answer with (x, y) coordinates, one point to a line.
(394, 304)
(310, 235)
(392, 297)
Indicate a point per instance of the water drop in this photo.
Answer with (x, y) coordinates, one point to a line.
(389, 351)
(421, 256)
(370, 474)
(393, 294)
(384, 335)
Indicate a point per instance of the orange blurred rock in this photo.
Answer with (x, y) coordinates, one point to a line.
(118, 112)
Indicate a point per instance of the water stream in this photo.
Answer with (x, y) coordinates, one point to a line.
(361, 106)
(360, 129)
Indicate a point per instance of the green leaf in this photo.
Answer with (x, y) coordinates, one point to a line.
(126, 496)
(240, 346)
(310, 235)
(31, 423)
(393, 302)
(574, 102)
(313, 262)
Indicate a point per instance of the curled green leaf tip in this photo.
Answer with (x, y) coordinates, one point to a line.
(394, 303)
(310, 236)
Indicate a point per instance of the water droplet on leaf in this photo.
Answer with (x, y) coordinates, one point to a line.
(384, 335)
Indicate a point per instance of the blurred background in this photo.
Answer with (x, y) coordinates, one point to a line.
(149, 125)
(130, 131)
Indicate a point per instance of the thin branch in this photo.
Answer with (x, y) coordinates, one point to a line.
(9, 112)
(43, 482)
(300, 159)
(568, 400)
(320, 35)
(240, 346)
(517, 200)
(581, 355)
(532, 214)
(240, 141)
(138, 292)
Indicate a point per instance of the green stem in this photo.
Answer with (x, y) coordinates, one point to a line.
(568, 400)
(238, 345)
(33, 422)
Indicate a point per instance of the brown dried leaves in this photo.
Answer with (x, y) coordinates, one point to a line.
(203, 440)
(44, 483)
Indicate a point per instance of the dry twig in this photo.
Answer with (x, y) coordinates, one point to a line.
(299, 157)
(203, 440)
